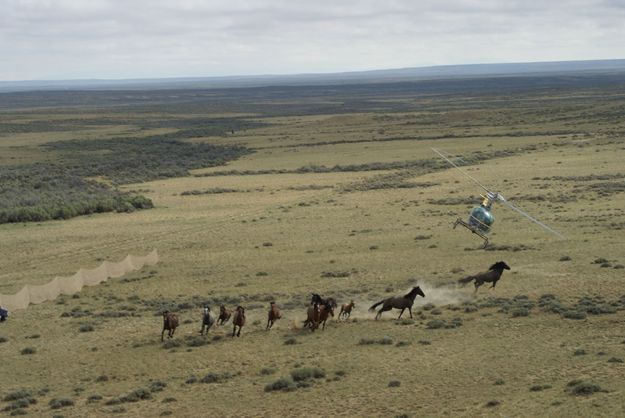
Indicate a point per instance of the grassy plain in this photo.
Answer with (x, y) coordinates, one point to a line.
(279, 231)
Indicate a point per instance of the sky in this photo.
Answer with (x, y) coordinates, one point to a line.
(113, 39)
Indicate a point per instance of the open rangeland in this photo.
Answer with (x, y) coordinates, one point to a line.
(345, 201)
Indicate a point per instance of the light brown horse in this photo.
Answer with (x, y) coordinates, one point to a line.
(274, 314)
(346, 310)
(170, 322)
(238, 320)
(224, 315)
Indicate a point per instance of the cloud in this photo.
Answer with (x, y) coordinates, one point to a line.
(43, 39)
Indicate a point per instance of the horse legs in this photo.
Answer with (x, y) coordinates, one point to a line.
(477, 285)
(401, 313)
(239, 333)
(162, 334)
(410, 311)
(494, 283)
(234, 328)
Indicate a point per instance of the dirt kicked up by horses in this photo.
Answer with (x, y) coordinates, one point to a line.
(398, 302)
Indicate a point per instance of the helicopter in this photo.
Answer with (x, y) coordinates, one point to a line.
(481, 218)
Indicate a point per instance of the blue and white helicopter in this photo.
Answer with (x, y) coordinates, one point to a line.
(481, 218)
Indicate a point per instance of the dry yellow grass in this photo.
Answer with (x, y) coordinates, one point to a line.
(211, 247)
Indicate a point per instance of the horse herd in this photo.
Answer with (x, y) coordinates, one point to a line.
(320, 309)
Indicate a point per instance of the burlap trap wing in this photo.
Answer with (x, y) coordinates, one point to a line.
(74, 284)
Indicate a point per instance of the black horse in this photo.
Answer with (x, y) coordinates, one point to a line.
(318, 300)
(207, 320)
(399, 302)
(491, 276)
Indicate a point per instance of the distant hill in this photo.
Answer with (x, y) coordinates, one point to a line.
(355, 77)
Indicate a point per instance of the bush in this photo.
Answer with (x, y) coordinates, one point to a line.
(28, 351)
(137, 395)
(520, 312)
(435, 324)
(13, 396)
(538, 388)
(86, 328)
(305, 373)
(283, 384)
(574, 314)
(94, 398)
(579, 352)
(60, 403)
(169, 344)
(290, 341)
(394, 384)
(216, 378)
(196, 341)
(381, 341)
(157, 386)
(267, 371)
(578, 387)
(492, 403)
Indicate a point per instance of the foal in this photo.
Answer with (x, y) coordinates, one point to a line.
(346, 310)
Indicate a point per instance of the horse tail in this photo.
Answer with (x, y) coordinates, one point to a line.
(375, 305)
(466, 280)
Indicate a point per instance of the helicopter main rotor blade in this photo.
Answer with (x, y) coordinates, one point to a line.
(528, 216)
(461, 170)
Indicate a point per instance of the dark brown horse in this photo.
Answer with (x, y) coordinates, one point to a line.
(238, 320)
(491, 276)
(224, 315)
(346, 310)
(318, 314)
(274, 314)
(399, 302)
(170, 322)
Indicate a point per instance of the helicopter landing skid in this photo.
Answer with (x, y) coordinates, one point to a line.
(472, 229)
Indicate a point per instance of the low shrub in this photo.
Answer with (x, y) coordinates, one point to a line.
(284, 384)
(305, 373)
(579, 387)
(57, 403)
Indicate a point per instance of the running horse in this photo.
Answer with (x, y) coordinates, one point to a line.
(224, 315)
(399, 302)
(170, 323)
(346, 310)
(491, 276)
(207, 320)
(273, 315)
(238, 320)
